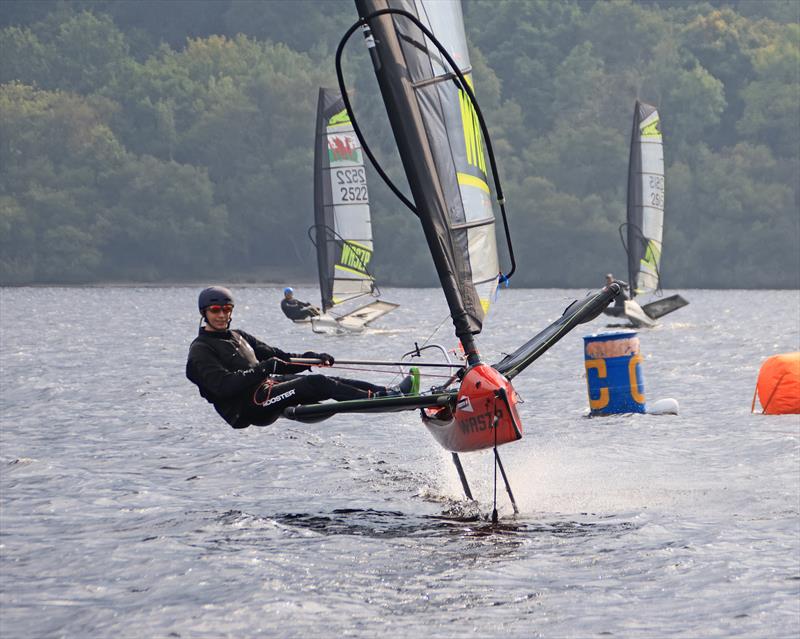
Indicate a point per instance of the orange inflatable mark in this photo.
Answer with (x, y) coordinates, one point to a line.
(778, 385)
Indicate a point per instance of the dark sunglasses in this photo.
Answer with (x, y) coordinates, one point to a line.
(216, 308)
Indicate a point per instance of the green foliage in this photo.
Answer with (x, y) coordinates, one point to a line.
(772, 98)
(159, 140)
(741, 189)
(80, 52)
(77, 207)
(17, 242)
(624, 33)
(23, 56)
(312, 26)
(554, 232)
(523, 43)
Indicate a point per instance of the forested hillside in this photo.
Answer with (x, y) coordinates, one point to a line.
(172, 140)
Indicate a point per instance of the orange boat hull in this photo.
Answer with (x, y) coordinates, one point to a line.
(485, 415)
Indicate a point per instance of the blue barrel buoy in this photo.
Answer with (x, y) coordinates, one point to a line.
(614, 373)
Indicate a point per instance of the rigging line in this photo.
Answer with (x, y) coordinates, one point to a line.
(271, 382)
(496, 423)
(377, 370)
(359, 366)
(351, 114)
(436, 330)
(466, 88)
(372, 362)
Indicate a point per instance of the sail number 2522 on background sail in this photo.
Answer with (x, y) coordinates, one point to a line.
(657, 191)
(349, 186)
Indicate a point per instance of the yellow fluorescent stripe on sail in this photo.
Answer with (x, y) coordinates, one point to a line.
(652, 255)
(466, 121)
(470, 180)
(651, 130)
(339, 119)
(356, 256)
(485, 303)
(358, 244)
(472, 130)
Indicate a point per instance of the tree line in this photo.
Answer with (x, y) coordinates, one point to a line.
(172, 141)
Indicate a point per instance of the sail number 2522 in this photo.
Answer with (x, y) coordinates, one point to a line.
(656, 191)
(351, 185)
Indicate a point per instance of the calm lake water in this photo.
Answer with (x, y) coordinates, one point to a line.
(128, 508)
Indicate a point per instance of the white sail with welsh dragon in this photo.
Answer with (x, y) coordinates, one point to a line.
(342, 231)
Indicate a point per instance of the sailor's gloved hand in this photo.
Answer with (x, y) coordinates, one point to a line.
(327, 360)
(268, 366)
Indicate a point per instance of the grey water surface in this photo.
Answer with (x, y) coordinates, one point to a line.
(128, 508)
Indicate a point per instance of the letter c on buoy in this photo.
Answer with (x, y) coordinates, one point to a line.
(636, 392)
(600, 365)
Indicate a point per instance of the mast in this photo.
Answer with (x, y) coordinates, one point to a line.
(645, 215)
(324, 264)
(439, 141)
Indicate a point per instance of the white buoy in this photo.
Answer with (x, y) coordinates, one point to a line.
(666, 406)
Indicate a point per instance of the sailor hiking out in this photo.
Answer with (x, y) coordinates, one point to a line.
(250, 382)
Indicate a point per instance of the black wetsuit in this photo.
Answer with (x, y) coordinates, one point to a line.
(250, 382)
(297, 310)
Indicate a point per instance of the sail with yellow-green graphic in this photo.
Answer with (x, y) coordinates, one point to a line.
(419, 53)
(438, 137)
(645, 224)
(343, 230)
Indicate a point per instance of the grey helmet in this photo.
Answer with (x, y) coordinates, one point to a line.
(214, 295)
